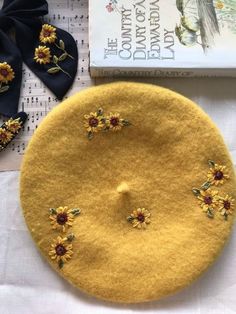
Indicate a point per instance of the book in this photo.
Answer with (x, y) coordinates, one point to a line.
(162, 38)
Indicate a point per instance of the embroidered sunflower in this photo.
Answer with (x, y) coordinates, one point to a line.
(5, 136)
(94, 122)
(61, 251)
(140, 218)
(48, 34)
(219, 5)
(6, 73)
(115, 123)
(226, 205)
(62, 217)
(217, 174)
(42, 55)
(208, 201)
(13, 125)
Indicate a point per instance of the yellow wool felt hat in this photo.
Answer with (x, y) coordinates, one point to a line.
(128, 191)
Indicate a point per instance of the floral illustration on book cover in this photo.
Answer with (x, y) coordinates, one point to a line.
(200, 20)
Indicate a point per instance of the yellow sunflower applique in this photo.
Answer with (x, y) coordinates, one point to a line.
(115, 122)
(62, 249)
(140, 218)
(42, 55)
(6, 75)
(94, 122)
(226, 206)
(62, 218)
(208, 200)
(5, 136)
(98, 121)
(13, 125)
(217, 174)
(48, 34)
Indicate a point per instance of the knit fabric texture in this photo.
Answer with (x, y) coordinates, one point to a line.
(153, 163)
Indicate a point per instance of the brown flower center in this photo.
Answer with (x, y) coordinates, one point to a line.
(41, 55)
(227, 205)
(14, 126)
(3, 136)
(93, 122)
(60, 250)
(4, 72)
(114, 121)
(141, 217)
(219, 175)
(47, 33)
(208, 200)
(62, 218)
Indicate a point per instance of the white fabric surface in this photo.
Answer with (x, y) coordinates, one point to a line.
(29, 286)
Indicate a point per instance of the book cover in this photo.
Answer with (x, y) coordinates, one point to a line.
(163, 37)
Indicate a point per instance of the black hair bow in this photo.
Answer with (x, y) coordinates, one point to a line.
(51, 53)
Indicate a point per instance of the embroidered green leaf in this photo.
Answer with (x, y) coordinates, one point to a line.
(76, 211)
(211, 163)
(55, 59)
(70, 237)
(196, 192)
(210, 213)
(90, 135)
(53, 70)
(4, 89)
(206, 186)
(62, 44)
(60, 263)
(225, 216)
(53, 211)
(130, 218)
(126, 123)
(100, 112)
(63, 56)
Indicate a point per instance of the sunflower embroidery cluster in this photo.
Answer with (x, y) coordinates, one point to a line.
(62, 219)
(43, 53)
(139, 218)
(6, 75)
(8, 131)
(209, 198)
(97, 121)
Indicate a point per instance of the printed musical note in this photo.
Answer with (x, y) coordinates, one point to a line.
(35, 98)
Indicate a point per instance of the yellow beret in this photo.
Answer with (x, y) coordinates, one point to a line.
(128, 191)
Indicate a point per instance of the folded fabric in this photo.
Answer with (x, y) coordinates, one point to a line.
(128, 191)
(51, 53)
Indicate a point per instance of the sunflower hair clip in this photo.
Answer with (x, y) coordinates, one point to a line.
(6, 76)
(10, 129)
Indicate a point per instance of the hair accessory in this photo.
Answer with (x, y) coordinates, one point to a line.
(48, 51)
(11, 128)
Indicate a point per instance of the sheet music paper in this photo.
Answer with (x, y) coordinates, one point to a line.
(36, 99)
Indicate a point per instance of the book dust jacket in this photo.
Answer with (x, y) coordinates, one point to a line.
(163, 37)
